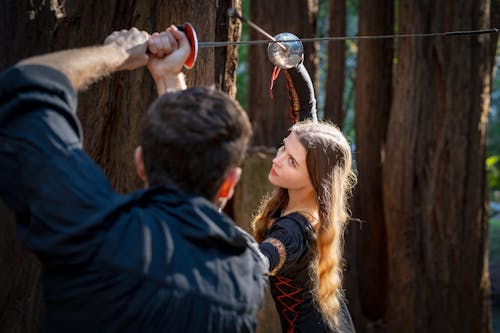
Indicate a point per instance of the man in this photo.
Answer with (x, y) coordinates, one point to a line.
(163, 259)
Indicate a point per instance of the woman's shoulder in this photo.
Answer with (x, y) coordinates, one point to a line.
(302, 221)
(289, 238)
(294, 227)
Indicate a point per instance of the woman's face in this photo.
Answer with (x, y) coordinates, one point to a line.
(289, 169)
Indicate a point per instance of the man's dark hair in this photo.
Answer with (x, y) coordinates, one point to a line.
(191, 138)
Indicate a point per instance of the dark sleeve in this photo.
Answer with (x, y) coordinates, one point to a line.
(301, 93)
(58, 193)
(285, 243)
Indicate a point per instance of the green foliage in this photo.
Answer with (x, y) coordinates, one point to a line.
(494, 116)
(322, 31)
(493, 139)
(351, 58)
(493, 172)
(351, 52)
(494, 239)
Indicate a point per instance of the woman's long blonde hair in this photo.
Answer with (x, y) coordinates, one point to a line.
(329, 164)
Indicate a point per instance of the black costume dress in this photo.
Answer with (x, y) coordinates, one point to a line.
(290, 246)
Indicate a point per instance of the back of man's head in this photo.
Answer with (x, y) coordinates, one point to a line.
(191, 138)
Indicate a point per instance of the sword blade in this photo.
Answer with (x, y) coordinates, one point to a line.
(222, 44)
(322, 39)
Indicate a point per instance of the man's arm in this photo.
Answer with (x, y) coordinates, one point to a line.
(169, 50)
(122, 50)
(59, 194)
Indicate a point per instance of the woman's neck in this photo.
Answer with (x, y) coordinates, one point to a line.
(301, 201)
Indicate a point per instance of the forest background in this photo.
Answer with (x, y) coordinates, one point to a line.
(325, 11)
(422, 115)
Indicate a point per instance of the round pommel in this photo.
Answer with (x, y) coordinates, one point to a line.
(287, 51)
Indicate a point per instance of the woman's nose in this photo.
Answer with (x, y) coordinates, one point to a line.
(276, 161)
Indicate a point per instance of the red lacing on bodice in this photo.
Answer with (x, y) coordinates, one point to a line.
(288, 300)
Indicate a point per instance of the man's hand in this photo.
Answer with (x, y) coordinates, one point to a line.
(133, 43)
(169, 50)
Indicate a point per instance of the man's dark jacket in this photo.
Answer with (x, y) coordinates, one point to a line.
(156, 260)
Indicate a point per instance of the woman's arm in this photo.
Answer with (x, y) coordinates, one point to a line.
(303, 100)
(285, 243)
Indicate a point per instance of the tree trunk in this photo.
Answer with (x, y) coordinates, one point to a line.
(434, 178)
(252, 187)
(110, 111)
(334, 110)
(270, 117)
(373, 102)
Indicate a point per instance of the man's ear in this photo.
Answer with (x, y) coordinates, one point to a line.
(139, 164)
(226, 190)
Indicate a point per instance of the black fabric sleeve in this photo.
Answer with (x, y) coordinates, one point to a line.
(285, 243)
(301, 93)
(45, 176)
(271, 253)
(29, 88)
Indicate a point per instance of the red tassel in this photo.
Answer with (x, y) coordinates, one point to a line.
(276, 73)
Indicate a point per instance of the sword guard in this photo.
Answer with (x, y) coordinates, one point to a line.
(188, 29)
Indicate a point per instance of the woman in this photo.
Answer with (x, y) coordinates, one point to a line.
(300, 226)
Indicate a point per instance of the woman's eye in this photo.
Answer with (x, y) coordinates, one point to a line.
(292, 162)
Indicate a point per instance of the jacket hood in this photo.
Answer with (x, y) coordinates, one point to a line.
(197, 218)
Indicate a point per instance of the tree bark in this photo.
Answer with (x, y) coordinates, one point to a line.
(252, 187)
(335, 79)
(373, 102)
(434, 178)
(110, 111)
(270, 117)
